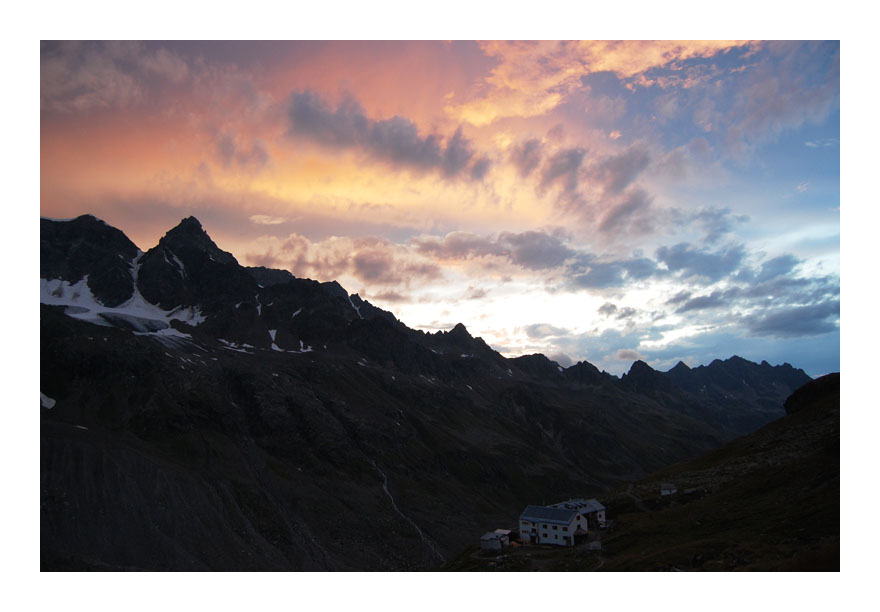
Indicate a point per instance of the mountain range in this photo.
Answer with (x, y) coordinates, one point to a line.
(197, 414)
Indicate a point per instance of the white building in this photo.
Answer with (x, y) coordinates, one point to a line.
(591, 514)
(667, 488)
(544, 525)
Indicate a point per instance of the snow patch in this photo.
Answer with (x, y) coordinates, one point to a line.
(135, 314)
(179, 263)
(46, 401)
(275, 347)
(272, 333)
(357, 309)
(296, 313)
(560, 368)
(232, 346)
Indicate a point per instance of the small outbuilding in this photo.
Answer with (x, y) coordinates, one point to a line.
(491, 542)
(667, 488)
(505, 536)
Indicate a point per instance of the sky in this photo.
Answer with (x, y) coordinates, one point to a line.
(599, 201)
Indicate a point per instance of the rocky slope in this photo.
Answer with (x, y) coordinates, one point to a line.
(198, 414)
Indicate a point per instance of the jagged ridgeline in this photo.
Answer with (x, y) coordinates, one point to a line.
(200, 414)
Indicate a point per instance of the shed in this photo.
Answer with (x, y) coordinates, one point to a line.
(505, 536)
(491, 542)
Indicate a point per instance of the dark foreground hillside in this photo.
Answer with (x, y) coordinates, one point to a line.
(769, 501)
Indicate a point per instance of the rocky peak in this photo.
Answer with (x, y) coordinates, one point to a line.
(460, 331)
(190, 237)
(73, 249)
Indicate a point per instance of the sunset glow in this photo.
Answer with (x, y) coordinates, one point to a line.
(600, 201)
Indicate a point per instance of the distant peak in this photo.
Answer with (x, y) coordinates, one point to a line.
(639, 365)
(681, 366)
(190, 224)
(459, 329)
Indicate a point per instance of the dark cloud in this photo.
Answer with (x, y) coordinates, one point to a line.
(563, 168)
(82, 76)
(715, 222)
(628, 355)
(535, 250)
(231, 153)
(394, 140)
(640, 268)
(778, 266)
(599, 276)
(702, 302)
(457, 154)
(527, 156)
(690, 261)
(796, 321)
(480, 168)
(608, 309)
(617, 172)
(678, 298)
(799, 83)
(532, 250)
(457, 245)
(631, 213)
(587, 273)
(373, 265)
(380, 263)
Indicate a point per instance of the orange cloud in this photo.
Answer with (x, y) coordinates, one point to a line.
(534, 77)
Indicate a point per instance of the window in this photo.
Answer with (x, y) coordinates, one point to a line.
(545, 535)
(565, 529)
(555, 536)
(555, 527)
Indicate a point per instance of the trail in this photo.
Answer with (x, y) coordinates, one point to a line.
(424, 538)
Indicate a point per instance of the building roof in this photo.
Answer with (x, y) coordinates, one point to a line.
(546, 514)
(490, 536)
(503, 532)
(584, 506)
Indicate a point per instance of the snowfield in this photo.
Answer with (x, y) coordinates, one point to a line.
(136, 314)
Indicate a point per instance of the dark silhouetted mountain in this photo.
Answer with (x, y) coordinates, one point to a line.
(88, 247)
(267, 276)
(197, 414)
(824, 392)
(539, 367)
(642, 378)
